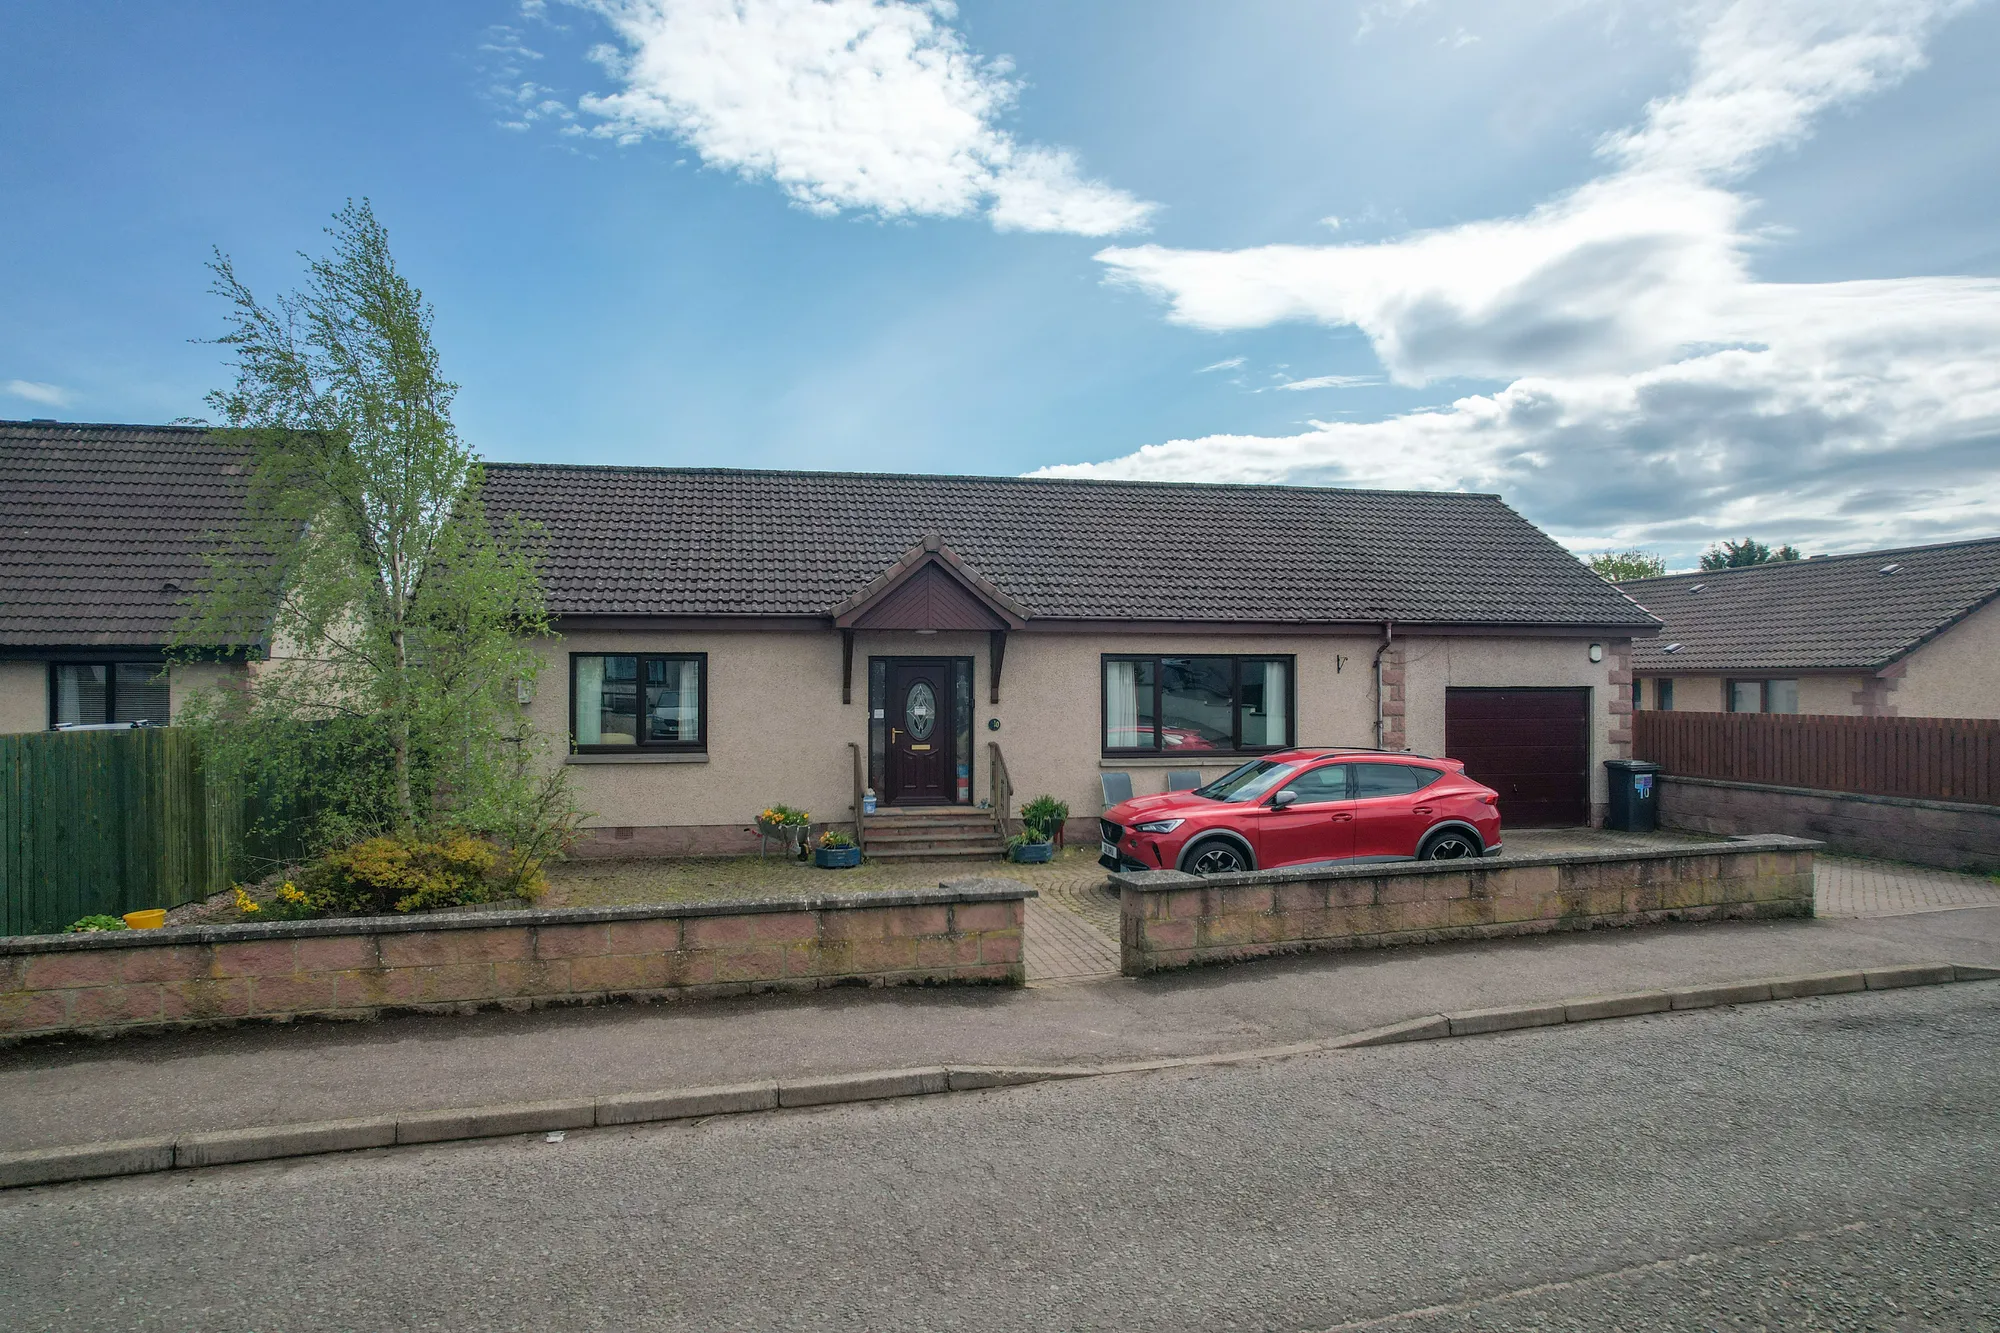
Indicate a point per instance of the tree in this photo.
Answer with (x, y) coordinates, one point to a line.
(1617, 566)
(397, 617)
(1735, 555)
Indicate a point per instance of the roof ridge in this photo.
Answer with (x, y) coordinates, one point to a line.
(1816, 562)
(646, 468)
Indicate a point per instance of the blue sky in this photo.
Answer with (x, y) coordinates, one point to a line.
(1658, 274)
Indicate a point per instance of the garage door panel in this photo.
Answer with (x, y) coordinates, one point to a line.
(1530, 745)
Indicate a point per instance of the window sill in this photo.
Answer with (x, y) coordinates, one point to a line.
(1206, 759)
(641, 757)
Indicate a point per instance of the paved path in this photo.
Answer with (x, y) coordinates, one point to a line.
(1853, 886)
(1063, 947)
(1818, 1164)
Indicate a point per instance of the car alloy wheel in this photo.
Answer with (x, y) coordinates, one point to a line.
(1450, 847)
(1216, 858)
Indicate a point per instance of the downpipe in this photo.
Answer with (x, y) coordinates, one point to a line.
(1381, 718)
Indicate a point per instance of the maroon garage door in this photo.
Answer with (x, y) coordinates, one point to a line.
(1531, 746)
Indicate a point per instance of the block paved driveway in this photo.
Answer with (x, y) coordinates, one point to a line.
(1072, 929)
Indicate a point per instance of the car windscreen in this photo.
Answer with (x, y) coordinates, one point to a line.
(1247, 782)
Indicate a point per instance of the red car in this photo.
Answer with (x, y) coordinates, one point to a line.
(1308, 807)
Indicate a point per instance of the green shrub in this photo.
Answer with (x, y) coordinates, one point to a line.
(91, 924)
(835, 838)
(1042, 817)
(391, 874)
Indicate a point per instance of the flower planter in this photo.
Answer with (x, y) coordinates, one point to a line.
(1033, 853)
(837, 858)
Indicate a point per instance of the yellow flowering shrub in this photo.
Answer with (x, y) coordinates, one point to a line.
(391, 874)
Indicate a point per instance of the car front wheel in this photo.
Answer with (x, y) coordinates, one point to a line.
(1450, 845)
(1217, 858)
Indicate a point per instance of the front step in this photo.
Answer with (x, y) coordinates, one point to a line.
(932, 831)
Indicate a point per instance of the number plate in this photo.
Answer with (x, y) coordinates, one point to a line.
(1109, 849)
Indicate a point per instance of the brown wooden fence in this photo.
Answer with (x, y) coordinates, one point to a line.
(1929, 758)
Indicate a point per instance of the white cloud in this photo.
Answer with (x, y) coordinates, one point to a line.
(1233, 363)
(867, 105)
(1653, 386)
(1329, 382)
(49, 395)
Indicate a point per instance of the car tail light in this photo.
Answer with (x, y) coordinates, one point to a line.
(1489, 798)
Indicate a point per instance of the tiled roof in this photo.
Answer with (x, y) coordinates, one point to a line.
(1838, 612)
(101, 527)
(713, 541)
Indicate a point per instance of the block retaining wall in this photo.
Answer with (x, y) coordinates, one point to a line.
(120, 981)
(1170, 919)
(1948, 834)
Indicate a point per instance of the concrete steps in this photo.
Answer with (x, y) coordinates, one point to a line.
(940, 831)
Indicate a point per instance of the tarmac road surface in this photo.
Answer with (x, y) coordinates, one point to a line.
(1819, 1164)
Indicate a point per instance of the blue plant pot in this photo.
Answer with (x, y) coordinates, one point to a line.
(1034, 853)
(836, 858)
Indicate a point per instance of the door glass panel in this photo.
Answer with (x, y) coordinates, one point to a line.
(920, 711)
(1389, 779)
(1316, 786)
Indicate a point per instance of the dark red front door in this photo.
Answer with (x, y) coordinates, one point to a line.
(1530, 745)
(921, 768)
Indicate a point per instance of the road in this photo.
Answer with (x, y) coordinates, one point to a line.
(1815, 1164)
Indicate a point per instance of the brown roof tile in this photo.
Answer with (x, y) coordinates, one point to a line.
(714, 541)
(102, 527)
(1826, 614)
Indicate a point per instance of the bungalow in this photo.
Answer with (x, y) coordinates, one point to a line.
(730, 639)
(102, 529)
(1910, 632)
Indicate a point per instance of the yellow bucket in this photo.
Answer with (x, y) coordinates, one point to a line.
(150, 919)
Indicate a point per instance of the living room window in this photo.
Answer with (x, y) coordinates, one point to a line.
(1181, 705)
(1763, 696)
(83, 694)
(627, 701)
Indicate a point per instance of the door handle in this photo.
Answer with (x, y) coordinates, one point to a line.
(893, 733)
(1343, 817)
(1423, 809)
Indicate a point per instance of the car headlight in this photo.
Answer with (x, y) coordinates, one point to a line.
(1160, 826)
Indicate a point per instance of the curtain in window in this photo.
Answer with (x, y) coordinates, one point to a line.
(589, 701)
(1121, 707)
(1263, 705)
(81, 694)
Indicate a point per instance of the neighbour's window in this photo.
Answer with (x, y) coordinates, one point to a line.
(1328, 782)
(655, 701)
(1185, 704)
(1663, 695)
(1636, 704)
(85, 694)
(1391, 779)
(1763, 696)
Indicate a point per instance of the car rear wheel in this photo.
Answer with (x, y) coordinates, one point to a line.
(1217, 856)
(1450, 845)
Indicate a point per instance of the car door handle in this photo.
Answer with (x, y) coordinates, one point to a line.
(1342, 817)
(1423, 809)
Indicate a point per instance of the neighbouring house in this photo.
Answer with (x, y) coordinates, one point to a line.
(730, 639)
(1911, 632)
(102, 535)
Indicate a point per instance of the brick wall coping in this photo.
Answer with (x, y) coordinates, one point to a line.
(952, 891)
(1866, 798)
(1160, 881)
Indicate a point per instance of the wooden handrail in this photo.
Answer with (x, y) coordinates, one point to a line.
(1003, 790)
(860, 787)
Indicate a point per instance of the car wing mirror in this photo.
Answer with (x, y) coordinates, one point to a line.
(1284, 798)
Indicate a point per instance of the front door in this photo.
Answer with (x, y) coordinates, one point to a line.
(922, 768)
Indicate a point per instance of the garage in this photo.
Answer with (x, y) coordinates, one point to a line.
(1530, 745)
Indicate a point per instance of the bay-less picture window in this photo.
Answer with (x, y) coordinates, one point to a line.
(638, 701)
(1763, 696)
(92, 693)
(1181, 705)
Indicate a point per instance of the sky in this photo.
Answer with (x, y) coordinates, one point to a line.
(1658, 273)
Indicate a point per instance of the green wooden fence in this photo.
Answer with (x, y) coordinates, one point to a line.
(109, 821)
